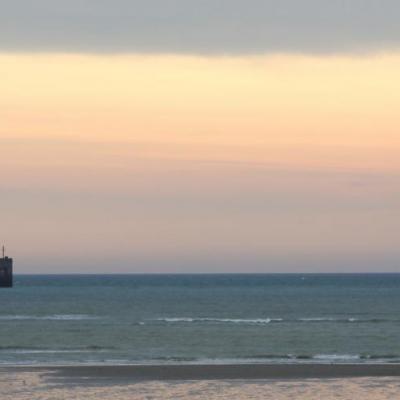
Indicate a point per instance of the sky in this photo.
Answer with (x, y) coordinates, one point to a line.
(200, 136)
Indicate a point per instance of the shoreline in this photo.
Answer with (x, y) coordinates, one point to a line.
(135, 373)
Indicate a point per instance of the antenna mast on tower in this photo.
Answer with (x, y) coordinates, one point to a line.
(6, 270)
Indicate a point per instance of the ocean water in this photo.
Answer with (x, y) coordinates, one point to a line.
(157, 319)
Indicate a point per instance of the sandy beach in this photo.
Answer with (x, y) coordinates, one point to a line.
(283, 382)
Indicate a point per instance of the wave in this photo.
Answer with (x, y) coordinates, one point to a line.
(327, 358)
(56, 317)
(221, 320)
(263, 321)
(286, 359)
(40, 350)
(346, 320)
(59, 357)
(252, 321)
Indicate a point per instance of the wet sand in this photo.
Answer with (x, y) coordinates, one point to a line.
(214, 372)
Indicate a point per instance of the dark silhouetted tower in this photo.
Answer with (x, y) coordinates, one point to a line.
(6, 271)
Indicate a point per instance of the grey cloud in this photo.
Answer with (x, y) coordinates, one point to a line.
(201, 26)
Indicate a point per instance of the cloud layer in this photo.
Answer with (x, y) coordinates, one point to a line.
(201, 26)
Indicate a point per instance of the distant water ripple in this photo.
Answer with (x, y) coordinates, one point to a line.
(57, 317)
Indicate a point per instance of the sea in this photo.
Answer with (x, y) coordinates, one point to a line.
(200, 319)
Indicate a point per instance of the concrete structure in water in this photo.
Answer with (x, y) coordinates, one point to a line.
(6, 271)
